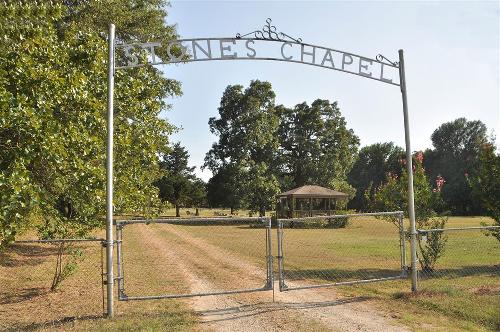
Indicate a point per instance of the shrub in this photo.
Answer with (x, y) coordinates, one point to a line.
(432, 244)
(338, 222)
(393, 195)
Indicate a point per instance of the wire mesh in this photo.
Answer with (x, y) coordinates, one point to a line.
(471, 254)
(331, 250)
(193, 257)
(29, 296)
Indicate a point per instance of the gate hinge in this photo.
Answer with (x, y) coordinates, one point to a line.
(121, 295)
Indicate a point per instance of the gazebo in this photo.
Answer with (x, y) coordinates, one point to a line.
(308, 201)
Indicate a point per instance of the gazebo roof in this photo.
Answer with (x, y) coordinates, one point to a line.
(313, 192)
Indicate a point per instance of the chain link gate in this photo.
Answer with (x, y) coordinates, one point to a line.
(196, 238)
(357, 252)
(127, 54)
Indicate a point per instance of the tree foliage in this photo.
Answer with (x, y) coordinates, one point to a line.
(53, 109)
(316, 147)
(224, 190)
(370, 170)
(486, 184)
(263, 149)
(247, 145)
(197, 194)
(393, 196)
(179, 185)
(455, 156)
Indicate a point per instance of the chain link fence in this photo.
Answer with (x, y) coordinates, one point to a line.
(46, 282)
(339, 250)
(470, 255)
(193, 257)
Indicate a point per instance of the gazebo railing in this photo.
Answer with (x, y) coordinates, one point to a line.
(312, 213)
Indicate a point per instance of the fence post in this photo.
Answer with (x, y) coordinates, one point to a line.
(109, 174)
(409, 170)
(269, 255)
(281, 273)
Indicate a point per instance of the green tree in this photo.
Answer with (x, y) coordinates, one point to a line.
(197, 193)
(247, 142)
(486, 183)
(262, 186)
(370, 170)
(393, 196)
(53, 109)
(316, 145)
(224, 190)
(177, 186)
(455, 156)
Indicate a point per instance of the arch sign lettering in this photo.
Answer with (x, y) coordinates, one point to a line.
(261, 45)
(265, 44)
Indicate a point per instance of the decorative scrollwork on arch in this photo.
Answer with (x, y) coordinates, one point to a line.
(269, 32)
(382, 59)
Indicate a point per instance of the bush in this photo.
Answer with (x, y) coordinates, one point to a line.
(393, 195)
(338, 222)
(319, 222)
(432, 244)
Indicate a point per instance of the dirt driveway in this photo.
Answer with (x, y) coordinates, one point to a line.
(314, 309)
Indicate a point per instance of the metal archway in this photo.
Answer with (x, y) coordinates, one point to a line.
(243, 47)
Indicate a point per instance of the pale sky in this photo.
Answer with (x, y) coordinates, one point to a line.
(451, 55)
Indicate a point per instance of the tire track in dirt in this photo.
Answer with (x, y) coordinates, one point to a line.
(254, 311)
(364, 319)
(225, 320)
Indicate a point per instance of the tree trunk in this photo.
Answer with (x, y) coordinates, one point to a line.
(197, 212)
(177, 212)
(232, 210)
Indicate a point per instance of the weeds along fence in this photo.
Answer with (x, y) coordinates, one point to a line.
(44, 281)
(470, 259)
(341, 250)
(193, 257)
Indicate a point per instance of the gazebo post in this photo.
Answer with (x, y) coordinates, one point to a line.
(310, 206)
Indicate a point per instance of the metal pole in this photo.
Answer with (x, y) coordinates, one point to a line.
(270, 276)
(109, 173)
(409, 169)
(281, 272)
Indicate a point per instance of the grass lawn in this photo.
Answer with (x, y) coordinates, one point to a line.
(26, 302)
(462, 295)
(465, 287)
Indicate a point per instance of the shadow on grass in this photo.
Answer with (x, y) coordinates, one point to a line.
(464, 271)
(213, 315)
(52, 323)
(133, 321)
(22, 295)
(248, 310)
(22, 254)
